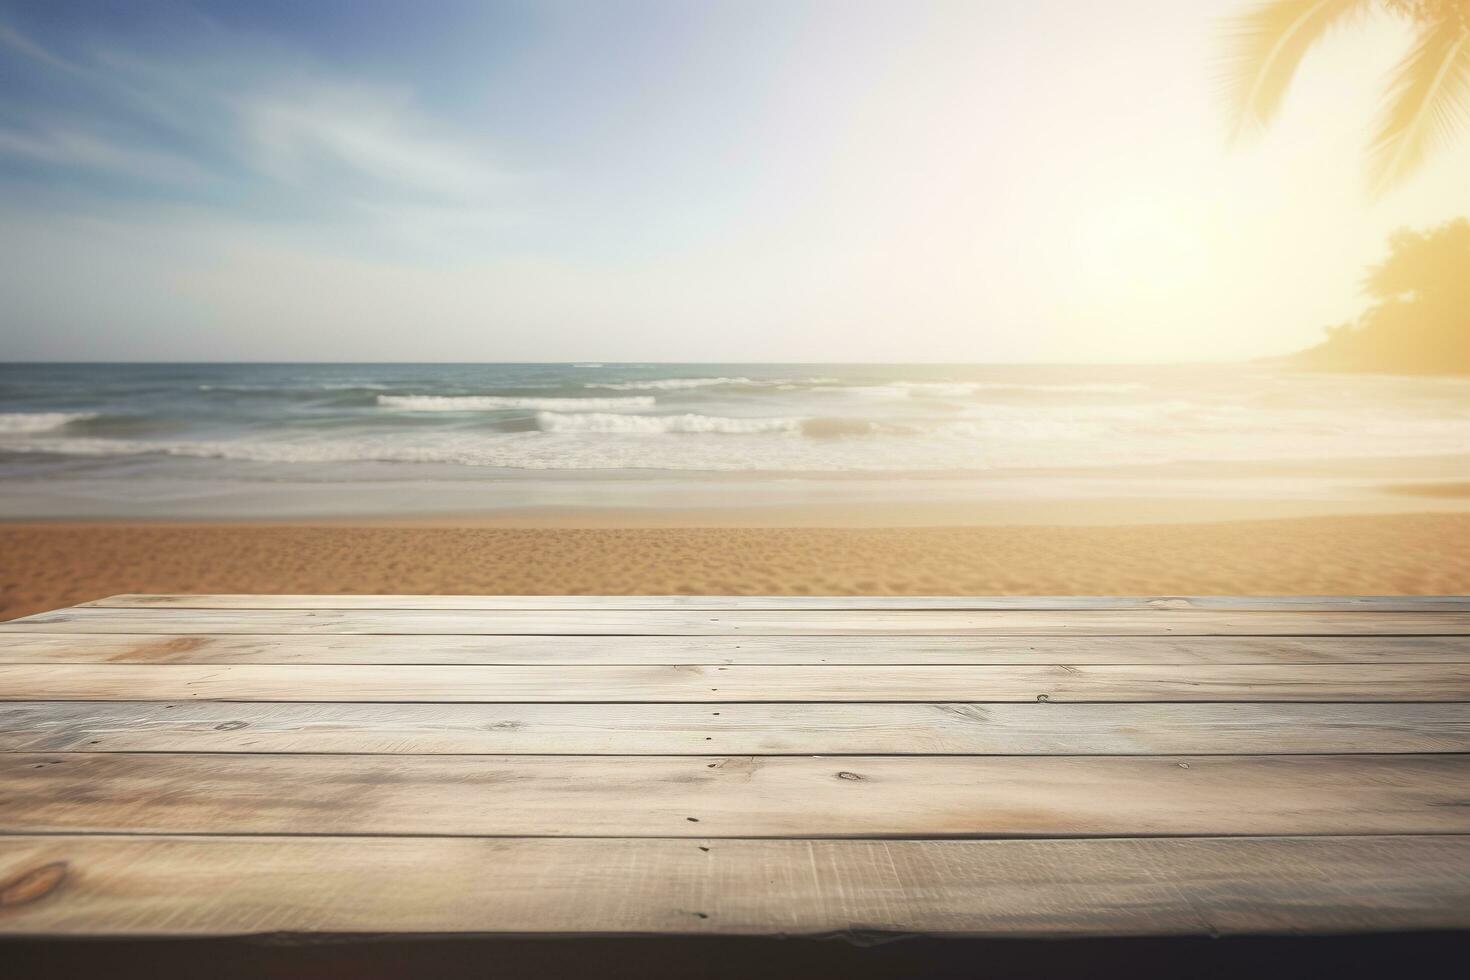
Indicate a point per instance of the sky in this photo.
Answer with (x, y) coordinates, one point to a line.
(636, 180)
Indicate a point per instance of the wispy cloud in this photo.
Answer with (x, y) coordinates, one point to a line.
(19, 42)
(273, 135)
(305, 137)
(78, 150)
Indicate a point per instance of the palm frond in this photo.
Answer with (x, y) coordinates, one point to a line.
(1429, 102)
(1263, 48)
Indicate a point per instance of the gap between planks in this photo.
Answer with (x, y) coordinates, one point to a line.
(711, 684)
(196, 648)
(744, 622)
(1164, 603)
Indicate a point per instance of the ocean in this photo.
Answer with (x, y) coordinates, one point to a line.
(260, 440)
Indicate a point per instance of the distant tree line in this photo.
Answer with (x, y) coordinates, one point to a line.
(1419, 322)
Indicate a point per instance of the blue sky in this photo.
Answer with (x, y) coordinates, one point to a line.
(621, 180)
(322, 112)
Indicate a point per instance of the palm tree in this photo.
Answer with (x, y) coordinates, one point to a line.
(1428, 93)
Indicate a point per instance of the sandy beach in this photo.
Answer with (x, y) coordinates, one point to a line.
(46, 565)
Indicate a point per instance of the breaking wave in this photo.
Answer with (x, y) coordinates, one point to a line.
(669, 384)
(21, 423)
(715, 417)
(902, 390)
(492, 403)
(609, 424)
(686, 384)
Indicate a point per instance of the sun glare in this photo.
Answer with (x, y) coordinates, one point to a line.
(1140, 248)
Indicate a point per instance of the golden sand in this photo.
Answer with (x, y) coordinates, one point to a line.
(43, 566)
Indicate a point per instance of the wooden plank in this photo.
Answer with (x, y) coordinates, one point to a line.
(589, 602)
(198, 648)
(734, 796)
(708, 684)
(1188, 622)
(740, 729)
(183, 886)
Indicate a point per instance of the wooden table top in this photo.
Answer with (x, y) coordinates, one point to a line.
(688, 765)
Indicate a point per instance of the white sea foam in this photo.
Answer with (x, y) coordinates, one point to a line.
(972, 387)
(21, 423)
(684, 384)
(602, 422)
(491, 403)
(600, 441)
(894, 389)
(902, 390)
(763, 423)
(670, 384)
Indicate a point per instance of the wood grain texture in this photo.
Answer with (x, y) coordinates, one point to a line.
(712, 684)
(209, 765)
(183, 886)
(1299, 603)
(755, 729)
(758, 622)
(734, 796)
(199, 648)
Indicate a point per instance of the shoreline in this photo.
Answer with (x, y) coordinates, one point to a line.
(1045, 512)
(48, 564)
(436, 495)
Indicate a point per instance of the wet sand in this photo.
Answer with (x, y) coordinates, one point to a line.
(1449, 490)
(46, 565)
